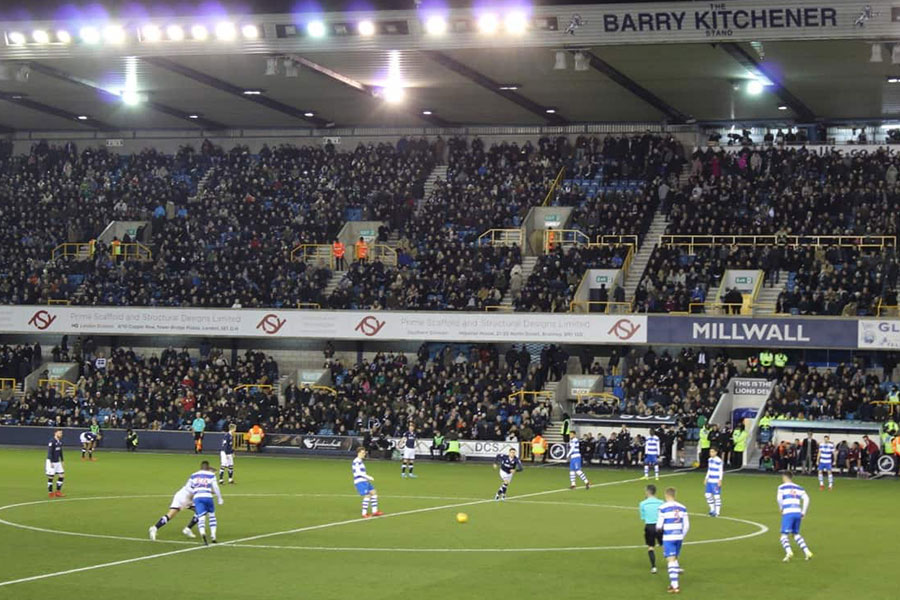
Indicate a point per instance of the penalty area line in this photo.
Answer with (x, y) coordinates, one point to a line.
(237, 543)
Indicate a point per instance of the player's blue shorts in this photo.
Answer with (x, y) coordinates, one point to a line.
(364, 487)
(203, 506)
(651, 459)
(575, 464)
(825, 466)
(791, 523)
(713, 488)
(671, 548)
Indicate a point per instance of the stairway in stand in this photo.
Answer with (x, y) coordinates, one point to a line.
(768, 296)
(639, 263)
(528, 264)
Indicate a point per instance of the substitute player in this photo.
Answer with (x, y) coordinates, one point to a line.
(674, 523)
(793, 502)
(202, 485)
(409, 451)
(182, 500)
(509, 464)
(649, 510)
(651, 455)
(826, 463)
(575, 462)
(54, 464)
(88, 442)
(226, 455)
(362, 481)
(715, 473)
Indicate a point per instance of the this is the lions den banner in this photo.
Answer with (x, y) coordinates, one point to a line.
(338, 325)
(776, 332)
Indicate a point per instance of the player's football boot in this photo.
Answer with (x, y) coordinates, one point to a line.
(186, 531)
(674, 590)
(59, 494)
(377, 513)
(367, 516)
(787, 557)
(587, 485)
(152, 532)
(808, 555)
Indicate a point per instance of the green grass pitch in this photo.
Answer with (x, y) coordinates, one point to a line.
(290, 528)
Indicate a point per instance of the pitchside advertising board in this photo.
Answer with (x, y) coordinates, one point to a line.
(337, 325)
(879, 334)
(779, 332)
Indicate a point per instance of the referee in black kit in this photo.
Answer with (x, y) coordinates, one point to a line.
(649, 509)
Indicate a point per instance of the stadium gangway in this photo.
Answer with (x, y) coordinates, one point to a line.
(7, 383)
(63, 386)
(132, 251)
(553, 186)
(501, 237)
(609, 308)
(82, 251)
(319, 254)
(852, 241)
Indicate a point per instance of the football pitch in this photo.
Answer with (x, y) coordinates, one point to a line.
(290, 528)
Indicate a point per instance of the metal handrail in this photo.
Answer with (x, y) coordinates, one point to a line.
(76, 249)
(252, 386)
(322, 388)
(320, 253)
(63, 386)
(745, 308)
(606, 395)
(609, 307)
(520, 395)
(565, 238)
(7, 383)
(309, 305)
(54, 302)
(498, 308)
(501, 237)
(130, 251)
(554, 185)
(383, 253)
(886, 307)
(855, 241)
(618, 239)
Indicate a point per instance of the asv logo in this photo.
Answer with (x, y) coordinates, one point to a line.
(271, 324)
(42, 320)
(624, 329)
(370, 326)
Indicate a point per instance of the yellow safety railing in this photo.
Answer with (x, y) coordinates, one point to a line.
(239, 441)
(553, 186)
(616, 308)
(501, 237)
(131, 251)
(383, 253)
(759, 280)
(319, 254)
(520, 396)
(55, 301)
(63, 386)
(886, 310)
(617, 239)
(564, 238)
(71, 249)
(605, 395)
(322, 388)
(262, 387)
(499, 308)
(7, 383)
(855, 241)
(309, 305)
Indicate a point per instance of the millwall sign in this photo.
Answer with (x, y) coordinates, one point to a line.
(781, 332)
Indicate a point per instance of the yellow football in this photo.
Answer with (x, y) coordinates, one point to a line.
(462, 518)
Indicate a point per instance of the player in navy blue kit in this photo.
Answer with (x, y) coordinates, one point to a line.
(54, 464)
(508, 464)
(409, 451)
(226, 455)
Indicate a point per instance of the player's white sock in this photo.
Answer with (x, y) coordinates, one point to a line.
(801, 542)
(656, 470)
(646, 470)
(365, 506)
(673, 574)
(786, 544)
(581, 474)
(821, 479)
(374, 504)
(718, 500)
(212, 525)
(830, 479)
(201, 525)
(710, 502)
(572, 478)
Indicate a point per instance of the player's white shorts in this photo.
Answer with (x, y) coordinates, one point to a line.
(181, 500)
(506, 477)
(84, 439)
(53, 468)
(226, 460)
(409, 454)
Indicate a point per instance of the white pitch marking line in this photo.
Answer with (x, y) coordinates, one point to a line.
(289, 532)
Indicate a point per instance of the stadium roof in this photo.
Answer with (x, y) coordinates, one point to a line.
(344, 79)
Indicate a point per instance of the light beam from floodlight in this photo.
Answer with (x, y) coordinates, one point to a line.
(516, 23)
(175, 33)
(393, 93)
(487, 23)
(754, 87)
(250, 32)
(151, 33)
(366, 28)
(199, 32)
(436, 25)
(315, 29)
(131, 98)
(225, 31)
(89, 35)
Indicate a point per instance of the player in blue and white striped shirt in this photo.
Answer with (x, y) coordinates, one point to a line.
(793, 502)
(715, 473)
(202, 485)
(363, 483)
(651, 454)
(826, 463)
(575, 462)
(674, 524)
